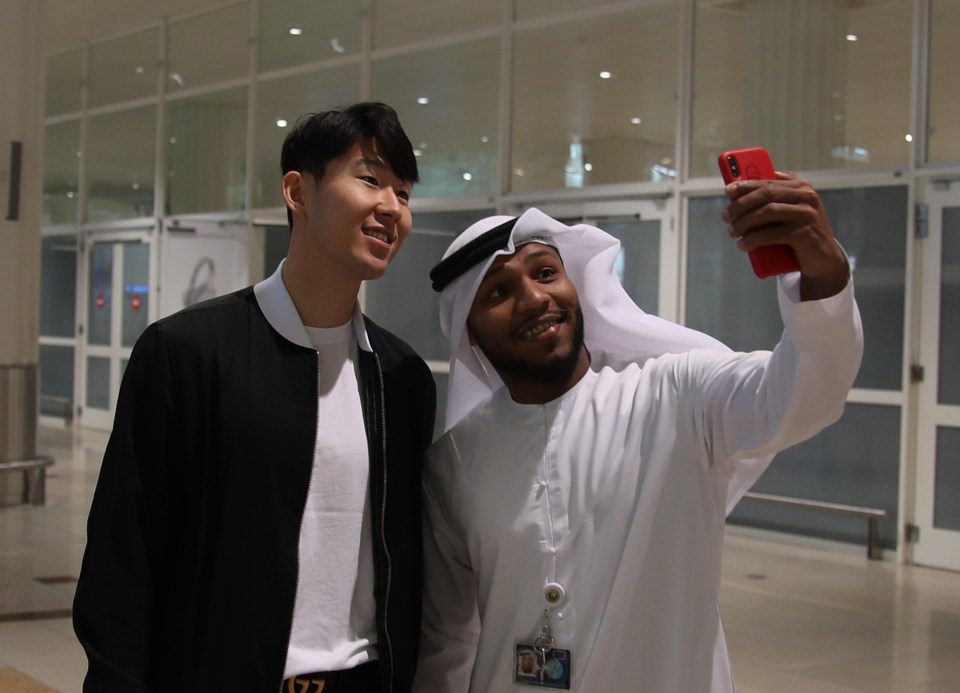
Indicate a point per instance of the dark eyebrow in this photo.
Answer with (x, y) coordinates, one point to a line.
(546, 250)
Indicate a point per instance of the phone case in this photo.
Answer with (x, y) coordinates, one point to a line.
(753, 163)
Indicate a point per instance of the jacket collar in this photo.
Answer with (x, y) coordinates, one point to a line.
(277, 306)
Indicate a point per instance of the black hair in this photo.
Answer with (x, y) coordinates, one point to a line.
(318, 138)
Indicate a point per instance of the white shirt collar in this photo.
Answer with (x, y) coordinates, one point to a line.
(277, 306)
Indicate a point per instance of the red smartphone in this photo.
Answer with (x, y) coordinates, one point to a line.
(753, 163)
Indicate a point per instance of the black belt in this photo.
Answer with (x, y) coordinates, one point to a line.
(361, 679)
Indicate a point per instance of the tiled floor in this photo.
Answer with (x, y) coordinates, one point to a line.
(801, 617)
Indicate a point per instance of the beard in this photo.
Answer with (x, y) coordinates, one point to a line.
(555, 370)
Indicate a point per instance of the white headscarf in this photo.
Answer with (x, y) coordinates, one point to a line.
(616, 330)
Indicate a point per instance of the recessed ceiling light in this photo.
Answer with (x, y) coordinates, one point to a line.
(281, 123)
(484, 139)
(908, 137)
(636, 120)
(468, 176)
(852, 38)
(588, 167)
(606, 75)
(423, 100)
(295, 31)
(418, 152)
(140, 69)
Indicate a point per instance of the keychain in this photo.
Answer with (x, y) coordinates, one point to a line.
(541, 664)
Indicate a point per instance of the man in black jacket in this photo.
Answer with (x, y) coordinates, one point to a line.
(256, 524)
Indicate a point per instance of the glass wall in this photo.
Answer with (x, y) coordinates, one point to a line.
(124, 69)
(206, 152)
(943, 125)
(614, 118)
(822, 84)
(119, 160)
(447, 99)
(295, 32)
(61, 173)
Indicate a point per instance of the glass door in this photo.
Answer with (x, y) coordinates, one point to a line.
(938, 433)
(117, 308)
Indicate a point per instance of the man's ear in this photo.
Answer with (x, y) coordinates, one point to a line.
(293, 188)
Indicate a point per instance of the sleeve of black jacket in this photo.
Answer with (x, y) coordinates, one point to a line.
(128, 526)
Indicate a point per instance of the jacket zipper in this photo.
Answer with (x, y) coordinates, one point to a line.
(383, 517)
(296, 584)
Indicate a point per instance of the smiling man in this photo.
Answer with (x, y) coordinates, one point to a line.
(256, 524)
(575, 505)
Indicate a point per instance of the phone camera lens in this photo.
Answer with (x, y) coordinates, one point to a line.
(734, 166)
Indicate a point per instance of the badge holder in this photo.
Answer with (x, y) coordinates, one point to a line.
(539, 663)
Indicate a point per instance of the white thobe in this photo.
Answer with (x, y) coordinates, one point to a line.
(617, 491)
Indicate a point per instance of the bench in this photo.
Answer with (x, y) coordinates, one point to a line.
(34, 477)
(872, 515)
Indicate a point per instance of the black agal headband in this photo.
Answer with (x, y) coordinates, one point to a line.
(461, 260)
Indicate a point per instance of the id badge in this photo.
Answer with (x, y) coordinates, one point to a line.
(541, 667)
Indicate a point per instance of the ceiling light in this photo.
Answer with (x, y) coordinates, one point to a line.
(636, 120)
(484, 139)
(588, 167)
(423, 100)
(468, 176)
(281, 123)
(606, 75)
(908, 137)
(418, 152)
(295, 31)
(337, 46)
(852, 38)
(140, 69)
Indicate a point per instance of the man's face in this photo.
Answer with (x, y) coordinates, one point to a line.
(526, 317)
(358, 213)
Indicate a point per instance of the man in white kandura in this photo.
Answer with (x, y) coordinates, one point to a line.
(576, 503)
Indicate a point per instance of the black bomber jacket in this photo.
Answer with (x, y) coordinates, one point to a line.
(189, 575)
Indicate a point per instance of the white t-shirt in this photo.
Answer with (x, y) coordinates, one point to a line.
(334, 619)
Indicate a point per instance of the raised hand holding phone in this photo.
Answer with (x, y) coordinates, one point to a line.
(753, 163)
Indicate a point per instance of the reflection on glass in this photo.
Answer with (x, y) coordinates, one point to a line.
(447, 101)
(280, 102)
(946, 509)
(206, 152)
(58, 286)
(943, 143)
(56, 381)
(294, 32)
(100, 294)
(638, 265)
(61, 171)
(402, 300)
(855, 461)
(120, 164)
(396, 22)
(136, 291)
(840, 102)
(98, 383)
(125, 68)
(948, 368)
(208, 48)
(725, 299)
(618, 99)
(64, 80)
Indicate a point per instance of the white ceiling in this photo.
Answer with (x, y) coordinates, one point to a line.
(68, 23)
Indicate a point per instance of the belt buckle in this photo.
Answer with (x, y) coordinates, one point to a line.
(303, 684)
